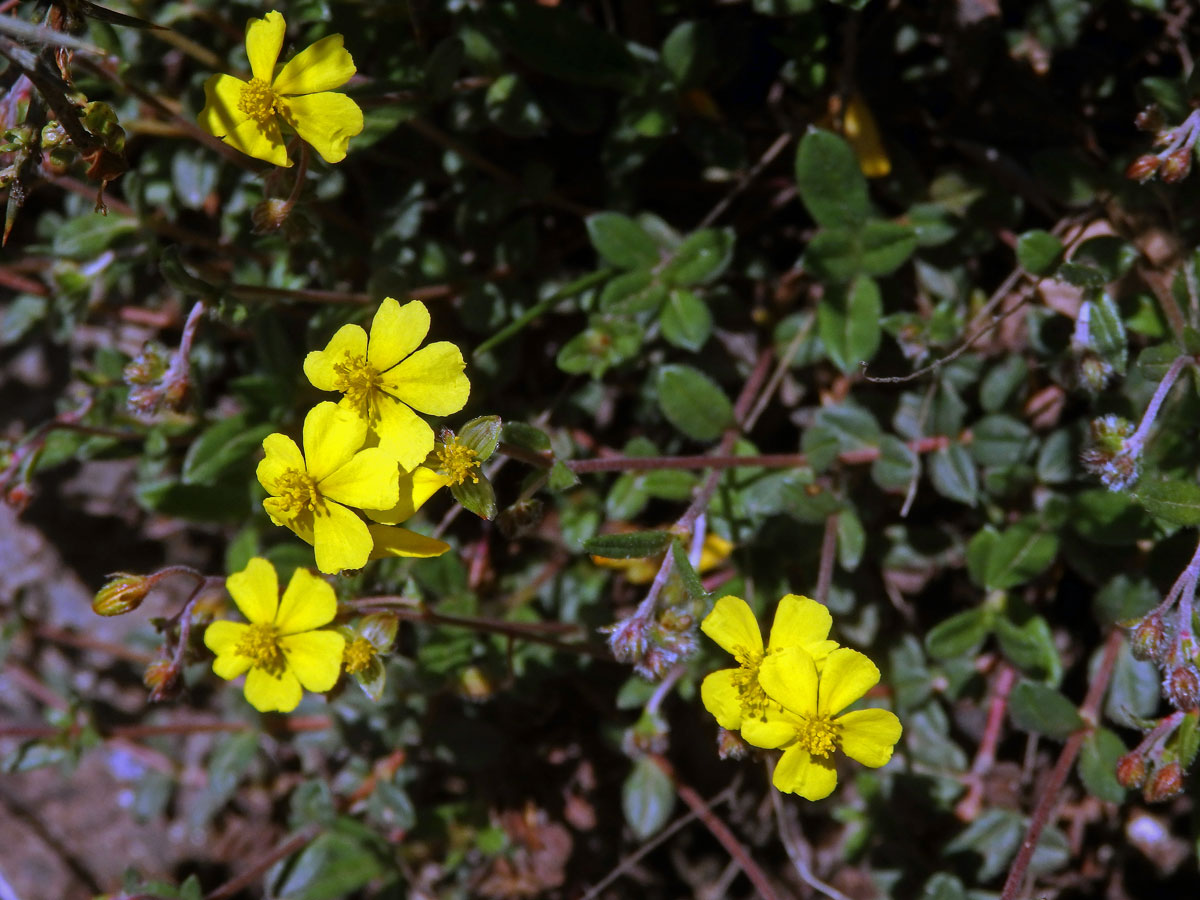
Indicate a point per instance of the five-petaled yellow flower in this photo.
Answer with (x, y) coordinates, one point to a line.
(807, 724)
(283, 647)
(247, 114)
(735, 696)
(310, 492)
(384, 377)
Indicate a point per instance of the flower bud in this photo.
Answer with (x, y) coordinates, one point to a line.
(1166, 783)
(1181, 687)
(270, 215)
(1176, 166)
(162, 678)
(19, 496)
(124, 593)
(1149, 119)
(1131, 770)
(1094, 372)
(1151, 639)
(628, 639)
(1143, 168)
(730, 744)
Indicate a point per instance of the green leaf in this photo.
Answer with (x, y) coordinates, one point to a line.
(481, 434)
(221, 446)
(953, 474)
(669, 484)
(634, 292)
(562, 477)
(994, 836)
(527, 436)
(1002, 382)
(848, 324)
(605, 344)
(693, 402)
(1174, 502)
(943, 886)
(1133, 691)
(88, 235)
(1106, 331)
(793, 493)
(336, 864)
(959, 635)
(1030, 647)
(685, 320)
(830, 182)
(630, 545)
(1040, 709)
(1000, 440)
(999, 561)
(690, 52)
(476, 496)
(1038, 251)
(1153, 362)
(1125, 598)
(1106, 517)
(1098, 764)
(879, 248)
(692, 585)
(558, 42)
(1081, 276)
(647, 797)
(702, 257)
(896, 465)
(851, 539)
(621, 241)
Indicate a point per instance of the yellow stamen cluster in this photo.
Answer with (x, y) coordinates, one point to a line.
(357, 379)
(458, 462)
(258, 101)
(261, 644)
(745, 679)
(358, 655)
(300, 491)
(818, 735)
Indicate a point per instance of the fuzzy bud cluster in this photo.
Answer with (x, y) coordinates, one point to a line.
(1109, 457)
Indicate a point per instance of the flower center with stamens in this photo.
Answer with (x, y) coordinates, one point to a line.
(750, 693)
(458, 462)
(817, 735)
(261, 644)
(258, 101)
(300, 492)
(357, 379)
(357, 655)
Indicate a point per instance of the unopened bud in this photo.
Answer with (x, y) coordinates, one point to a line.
(1176, 166)
(1143, 168)
(162, 678)
(270, 215)
(123, 593)
(19, 496)
(1131, 770)
(1165, 783)
(1149, 119)
(1094, 372)
(628, 639)
(1181, 686)
(474, 685)
(730, 744)
(1151, 639)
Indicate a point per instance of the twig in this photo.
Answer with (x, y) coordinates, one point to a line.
(292, 845)
(720, 831)
(1062, 768)
(792, 843)
(768, 157)
(828, 552)
(968, 808)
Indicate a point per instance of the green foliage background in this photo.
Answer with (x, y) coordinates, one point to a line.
(622, 212)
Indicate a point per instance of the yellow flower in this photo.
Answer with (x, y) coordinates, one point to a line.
(713, 552)
(384, 377)
(282, 648)
(734, 696)
(310, 491)
(247, 114)
(416, 487)
(807, 723)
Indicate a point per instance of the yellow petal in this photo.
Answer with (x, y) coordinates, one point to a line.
(733, 626)
(332, 435)
(402, 433)
(222, 638)
(789, 677)
(416, 487)
(367, 481)
(770, 732)
(322, 66)
(431, 380)
(326, 120)
(282, 514)
(282, 455)
(264, 40)
(221, 114)
(347, 341)
(315, 657)
(799, 772)
(396, 332)
(392, 541)
(862, 133)
(869, 735)
(846, 676)
(340, 539)
(255, 590)
(308, 603)
(720, 697)
(261, 140)
(799, 622)
(268, 693)
(713, 552)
